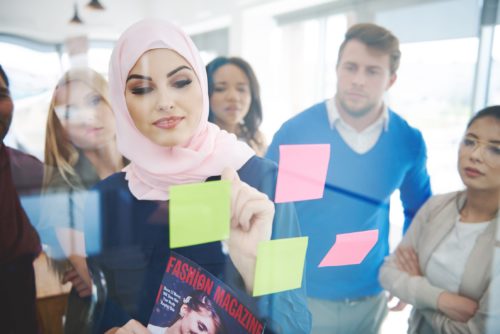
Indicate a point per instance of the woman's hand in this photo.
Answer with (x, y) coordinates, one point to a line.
(83, 289)
(131, 327)
(252, 215)
(407, 261)
(400, 306)
(79, 276)
(457, 307)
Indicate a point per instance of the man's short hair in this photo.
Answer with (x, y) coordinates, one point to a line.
(375, 37)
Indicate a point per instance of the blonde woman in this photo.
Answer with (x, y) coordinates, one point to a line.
(80, 150)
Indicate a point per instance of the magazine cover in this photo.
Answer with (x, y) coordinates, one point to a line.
(191, 300)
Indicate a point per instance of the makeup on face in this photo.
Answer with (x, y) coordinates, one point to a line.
(231, 96)
(163, 97)
(479, 154)
(84, 114)
(489, 150)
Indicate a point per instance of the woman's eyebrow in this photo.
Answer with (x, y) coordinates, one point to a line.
(169, 74)
(471, 134)
(491, 141)
(138, 76)
(91, 94)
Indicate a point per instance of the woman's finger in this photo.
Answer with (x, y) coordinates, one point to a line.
(413, 255)
(251, 212)
(398, 307)
(132, 327)
(230, 174)
(69, 275)
(136, 327)
(399, 259)
(243, 195)
(251, 204)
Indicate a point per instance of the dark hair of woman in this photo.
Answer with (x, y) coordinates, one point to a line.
(252, 121)
(198, 301)
(493, 111)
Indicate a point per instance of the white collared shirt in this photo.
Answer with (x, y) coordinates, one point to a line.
(359, 141)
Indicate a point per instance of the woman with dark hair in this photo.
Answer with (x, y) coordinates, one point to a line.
(196, 314)
(444, 264)
(235, 104)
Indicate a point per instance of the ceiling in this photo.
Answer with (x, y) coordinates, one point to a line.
(47, 20)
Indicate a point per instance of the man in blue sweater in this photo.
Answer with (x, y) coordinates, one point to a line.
(373, 153)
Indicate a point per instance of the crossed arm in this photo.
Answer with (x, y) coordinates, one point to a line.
(445, 311)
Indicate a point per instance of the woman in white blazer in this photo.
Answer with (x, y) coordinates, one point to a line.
(444, 264)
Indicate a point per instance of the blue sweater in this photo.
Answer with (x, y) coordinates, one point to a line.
(130, 245)
(356, 198)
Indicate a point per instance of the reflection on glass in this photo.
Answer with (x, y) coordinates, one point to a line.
(494, 93)
(433, 93)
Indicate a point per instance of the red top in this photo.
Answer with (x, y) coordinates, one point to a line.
(17, 235)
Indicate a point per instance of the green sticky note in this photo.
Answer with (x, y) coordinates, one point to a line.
(199, 213)
(280, 265)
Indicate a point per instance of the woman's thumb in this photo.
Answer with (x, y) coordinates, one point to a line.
(229, 174)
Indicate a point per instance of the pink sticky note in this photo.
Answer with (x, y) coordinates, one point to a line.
(350, 248)
(302, 172)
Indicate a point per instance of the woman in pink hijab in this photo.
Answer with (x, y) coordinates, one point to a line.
(158, 90)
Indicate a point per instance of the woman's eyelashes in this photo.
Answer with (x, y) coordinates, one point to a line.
(141, 90)
(182, 83)
(178, 84)
(219, 89)
(239, 88)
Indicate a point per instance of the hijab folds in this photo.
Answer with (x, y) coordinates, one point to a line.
(154, 168)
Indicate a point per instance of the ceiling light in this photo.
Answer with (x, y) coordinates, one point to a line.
(95, 4)
(76, 19)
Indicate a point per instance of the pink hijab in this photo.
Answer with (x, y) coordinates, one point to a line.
(154, 168)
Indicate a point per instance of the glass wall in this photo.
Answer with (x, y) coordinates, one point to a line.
(494, 93)
(33, 72)
(433, 92)
(435, 89)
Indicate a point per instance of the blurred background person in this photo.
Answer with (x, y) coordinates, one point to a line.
(235, 104)
(443, 265)
(19, 242)
(80, 150)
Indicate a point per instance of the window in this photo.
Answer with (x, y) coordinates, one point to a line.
(32, 72)
(494, 93)
(434, 93)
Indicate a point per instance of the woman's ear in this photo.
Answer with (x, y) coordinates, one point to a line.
(183, 310)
